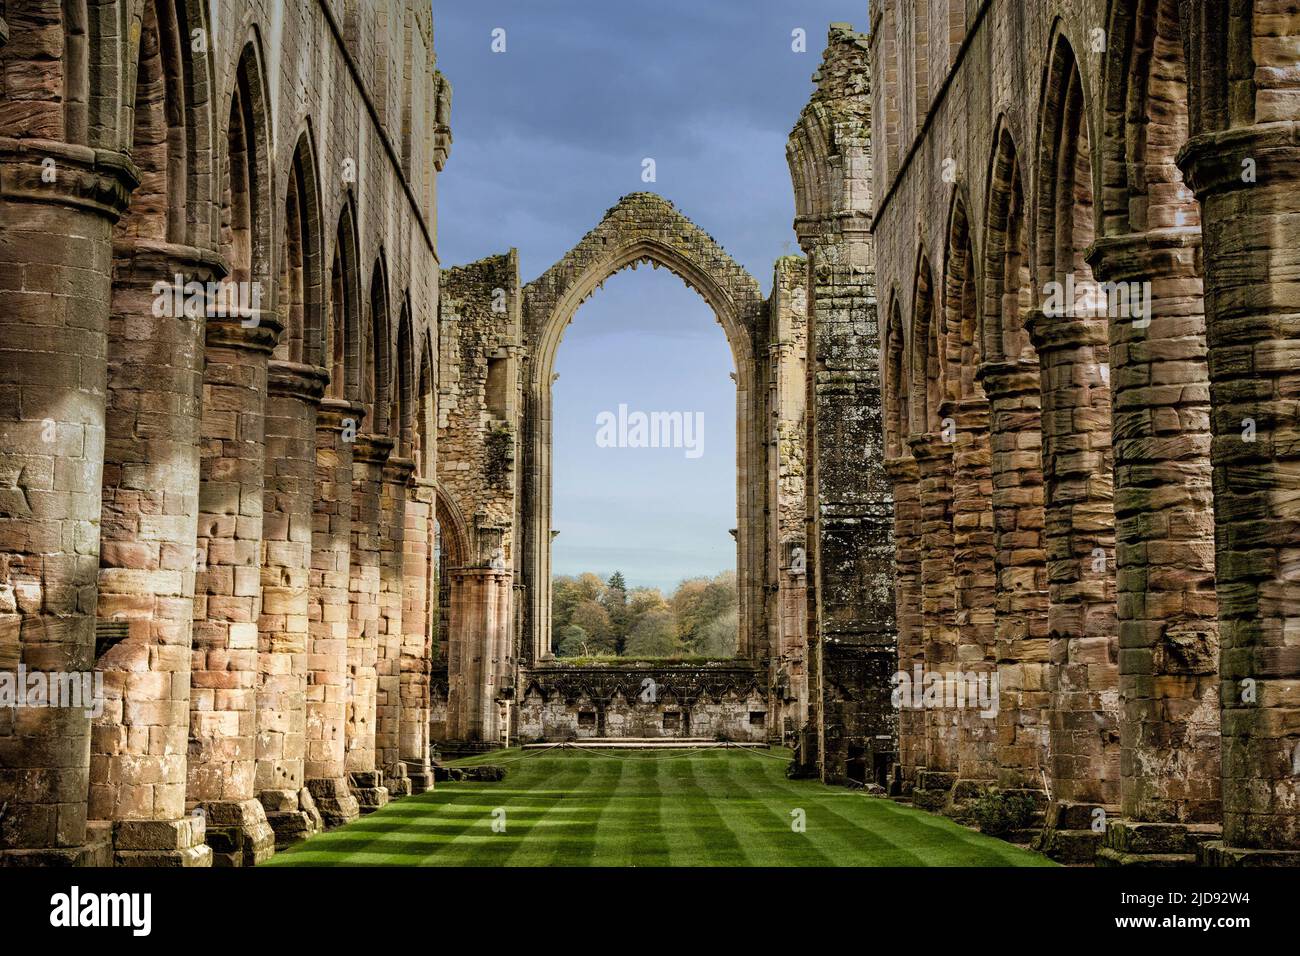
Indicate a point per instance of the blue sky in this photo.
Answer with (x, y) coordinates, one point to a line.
(550, 134)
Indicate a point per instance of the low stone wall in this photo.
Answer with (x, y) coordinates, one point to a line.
(725, 700)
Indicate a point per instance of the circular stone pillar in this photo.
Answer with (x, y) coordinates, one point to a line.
(1251, 235)
(904, 477)
(1079, 529)
(294, 394)
(56, 260)
(1164, 532)
(388, 705)
(146, 564)
(1020, 624)
(417, 635)
(337, 424)
(368, 457)
(223, 681)
(939, 637)
(974, 583)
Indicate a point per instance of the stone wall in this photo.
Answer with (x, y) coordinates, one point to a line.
(478, 434)
(1114, 572)
(717, 701)
(787, 612)
(849, 536)
(163, 521)
(479, 396)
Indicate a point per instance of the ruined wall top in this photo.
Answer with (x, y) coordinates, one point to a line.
(844, 77)
(478, 397)
(643, 227)
(829, 150)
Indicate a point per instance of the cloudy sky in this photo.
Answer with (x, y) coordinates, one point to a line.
(548, 135)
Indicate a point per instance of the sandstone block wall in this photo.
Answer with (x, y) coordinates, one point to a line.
(163, 475)
(1026, 152)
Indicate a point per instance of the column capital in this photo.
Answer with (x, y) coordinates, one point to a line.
(398, 470)
(146, 262)
(257, 331)
(496, 574)
(1049, 332)
(1004, 379)
(1167, 253)
(49, 171)
(372, 449)
(1241, 158)
(902, 469)
(337, 413)
(295, 380)
(930, 447)
(970, 412)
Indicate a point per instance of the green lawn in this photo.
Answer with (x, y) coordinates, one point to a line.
(649, 808)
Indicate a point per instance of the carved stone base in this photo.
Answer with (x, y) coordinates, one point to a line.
(238, 833)
(96, 851)
(1127, 843)
(1214, 853)
(162, 843)
(421, 776)
(1069, 836)
(292, 815)
(397, 782)
(368, 787)
(335, 801)
(933, 789)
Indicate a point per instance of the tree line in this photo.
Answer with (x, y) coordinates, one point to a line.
(595, 618)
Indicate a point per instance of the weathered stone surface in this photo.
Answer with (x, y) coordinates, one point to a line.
(161, 459)
(1136, 455)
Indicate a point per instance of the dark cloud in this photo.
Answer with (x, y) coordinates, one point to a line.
(548, 136)
(551, 133)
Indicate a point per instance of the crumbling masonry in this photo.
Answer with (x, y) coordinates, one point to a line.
(1016, 433)
(209, 506)
(1094, 493)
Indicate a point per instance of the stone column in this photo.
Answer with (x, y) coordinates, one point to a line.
(480, 631)
(329, 612)
(146, 558)
(791, 622)
(388, 707)
(224, 669)
(417, 643)
(56, 258)
(294, 395)
(1020, 621)
(1079, 530)
(974, 585)
(1251, 234)
(501, 685)
(1164, 542)
(850, 511)
(367, 782)
(933, 454)
(905, 478)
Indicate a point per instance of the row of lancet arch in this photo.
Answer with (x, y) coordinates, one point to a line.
(269, 507)
(1030, 450)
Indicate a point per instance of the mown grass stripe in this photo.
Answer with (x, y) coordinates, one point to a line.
(715, 808)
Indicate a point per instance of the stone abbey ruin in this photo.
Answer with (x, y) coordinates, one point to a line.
(1018, 454)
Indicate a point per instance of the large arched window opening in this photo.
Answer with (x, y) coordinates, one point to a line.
(632, 232)
(644, 480)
